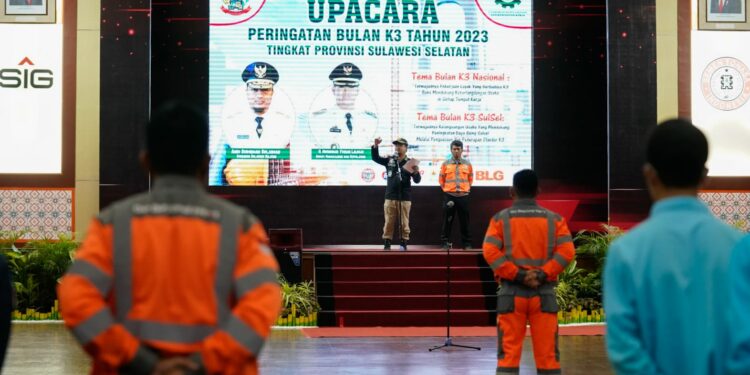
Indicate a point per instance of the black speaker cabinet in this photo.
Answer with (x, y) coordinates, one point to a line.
(287, 247)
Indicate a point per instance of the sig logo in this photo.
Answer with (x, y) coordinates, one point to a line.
(490, 176)
(26, 76)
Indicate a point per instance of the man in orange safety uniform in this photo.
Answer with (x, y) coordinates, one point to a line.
(456, 177)
(173, 281)
(527, 246)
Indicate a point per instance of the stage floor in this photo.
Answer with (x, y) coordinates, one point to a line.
(379, 248)
(50, 349)
(349, 332)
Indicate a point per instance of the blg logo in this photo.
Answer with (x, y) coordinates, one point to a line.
(26, 76)
(490, 175)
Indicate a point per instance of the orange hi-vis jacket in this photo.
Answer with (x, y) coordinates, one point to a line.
(527, 236)
(173, 272)
(456, 176)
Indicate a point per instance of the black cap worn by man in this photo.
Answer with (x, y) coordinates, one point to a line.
(346, 74)
(260, 75)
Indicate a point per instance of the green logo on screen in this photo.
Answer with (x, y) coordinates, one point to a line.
(508, 3)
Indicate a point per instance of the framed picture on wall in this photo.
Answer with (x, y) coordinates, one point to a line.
(723, 15)
(28, 11)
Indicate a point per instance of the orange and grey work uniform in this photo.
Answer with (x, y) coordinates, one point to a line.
(456, 177)
(173, 272)
(521, 238)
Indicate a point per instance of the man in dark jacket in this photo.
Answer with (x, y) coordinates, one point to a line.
(398, 190)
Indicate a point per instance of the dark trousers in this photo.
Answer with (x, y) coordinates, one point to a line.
(460, 206)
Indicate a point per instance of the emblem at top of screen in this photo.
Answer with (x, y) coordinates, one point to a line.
(235, 7)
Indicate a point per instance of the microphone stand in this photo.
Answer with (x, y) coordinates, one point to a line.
(400, 186)
(448, 338)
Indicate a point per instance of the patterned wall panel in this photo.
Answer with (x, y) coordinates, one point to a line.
(732, 207)
(43, 213)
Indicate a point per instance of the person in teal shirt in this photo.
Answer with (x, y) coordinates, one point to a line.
(666, 282)
(739, 305)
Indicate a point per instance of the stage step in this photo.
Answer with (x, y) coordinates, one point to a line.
(376, 288)
(369, 289)
(401, 318)
(406, 302)
(401, 273)
(372, 259)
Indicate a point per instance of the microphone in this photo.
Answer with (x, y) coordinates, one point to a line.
(398, 166)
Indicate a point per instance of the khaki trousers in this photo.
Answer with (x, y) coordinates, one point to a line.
(391, 220)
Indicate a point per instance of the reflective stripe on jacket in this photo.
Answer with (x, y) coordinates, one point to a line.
(456, 176)
(527, 236)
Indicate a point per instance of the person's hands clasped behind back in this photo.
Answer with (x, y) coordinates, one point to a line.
(176, 366)
(532, 279)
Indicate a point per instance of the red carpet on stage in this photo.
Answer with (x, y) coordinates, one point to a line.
(360, 286)
(579, 330)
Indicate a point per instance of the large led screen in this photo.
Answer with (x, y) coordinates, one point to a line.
(299, 89)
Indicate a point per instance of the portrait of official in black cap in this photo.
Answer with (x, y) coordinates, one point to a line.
(260, 78)
(351, 121)
(252, 119)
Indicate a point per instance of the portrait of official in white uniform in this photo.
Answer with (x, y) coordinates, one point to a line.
(350, 119)
(251, 120)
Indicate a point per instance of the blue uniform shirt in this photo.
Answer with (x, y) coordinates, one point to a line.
(739, 302)
(666, 289)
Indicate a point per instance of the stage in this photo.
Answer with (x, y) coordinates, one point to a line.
(366, 286)
(379, 248)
